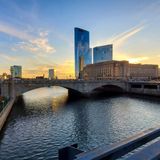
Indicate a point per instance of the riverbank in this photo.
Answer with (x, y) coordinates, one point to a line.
(5, 112)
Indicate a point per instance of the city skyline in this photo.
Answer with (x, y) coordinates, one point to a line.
(38, 35)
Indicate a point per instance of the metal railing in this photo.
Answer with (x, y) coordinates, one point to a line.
(3, 104)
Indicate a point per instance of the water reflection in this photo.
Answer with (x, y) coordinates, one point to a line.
(58, 102)
(43, 123)
(45, 98)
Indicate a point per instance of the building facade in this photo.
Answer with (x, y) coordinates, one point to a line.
(51, 74)
(16, 71)
(106, 70)
(120, 70)
(102, 53)
(88, 57)
(143, 71)
(82, 51)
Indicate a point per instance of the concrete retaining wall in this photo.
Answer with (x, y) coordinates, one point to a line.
(150, 92)
(5, 112)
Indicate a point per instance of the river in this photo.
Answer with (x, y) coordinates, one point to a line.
(44, 122)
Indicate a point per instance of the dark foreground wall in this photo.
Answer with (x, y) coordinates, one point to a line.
(5, 112)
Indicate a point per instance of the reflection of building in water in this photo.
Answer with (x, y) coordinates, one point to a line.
(81, 124)
(81, 63)
(59, 101)
(44, 98)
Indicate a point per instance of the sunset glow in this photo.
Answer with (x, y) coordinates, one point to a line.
(38, 36)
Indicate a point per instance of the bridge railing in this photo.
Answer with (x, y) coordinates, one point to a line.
(117, 150)
(3, 104)
(59, 80)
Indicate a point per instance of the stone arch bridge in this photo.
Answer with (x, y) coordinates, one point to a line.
(13, 88)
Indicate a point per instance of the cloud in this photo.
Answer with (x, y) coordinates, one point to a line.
(29, 42)
(120, 39)
(43, 33)
(39, 46)
(5, 57)
(7, 29)
(132, 58)
(42, 43)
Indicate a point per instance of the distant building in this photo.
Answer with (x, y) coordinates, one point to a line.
(82, 51)
(143, 71)
(16, 71)
(119, 70)
(102, 53)
(106, 70)
(51, 74)
(40, 77)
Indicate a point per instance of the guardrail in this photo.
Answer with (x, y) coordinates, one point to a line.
(119, 149)
(3, 103)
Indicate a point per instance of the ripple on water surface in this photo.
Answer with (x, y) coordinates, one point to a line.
(44, 123)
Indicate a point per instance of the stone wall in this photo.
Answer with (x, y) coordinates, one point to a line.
(5, 112)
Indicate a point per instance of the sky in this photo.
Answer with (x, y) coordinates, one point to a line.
(38, 34)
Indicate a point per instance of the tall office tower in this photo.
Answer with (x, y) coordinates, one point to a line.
(88, 57)
(102, 53)
(81, 48)
(16, 71)
(51, 74)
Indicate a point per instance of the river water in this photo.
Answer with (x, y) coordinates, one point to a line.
(37, 128)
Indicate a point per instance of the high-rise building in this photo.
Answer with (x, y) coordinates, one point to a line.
(102, 53)
(51, 74)
(88, 57)
(16, 71)
(82, 51)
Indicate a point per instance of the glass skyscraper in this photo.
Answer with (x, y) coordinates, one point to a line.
(82, 50)
(102, 53)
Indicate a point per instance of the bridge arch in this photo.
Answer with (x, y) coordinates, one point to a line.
(108, 89)
(82, 87)
(20, 89)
